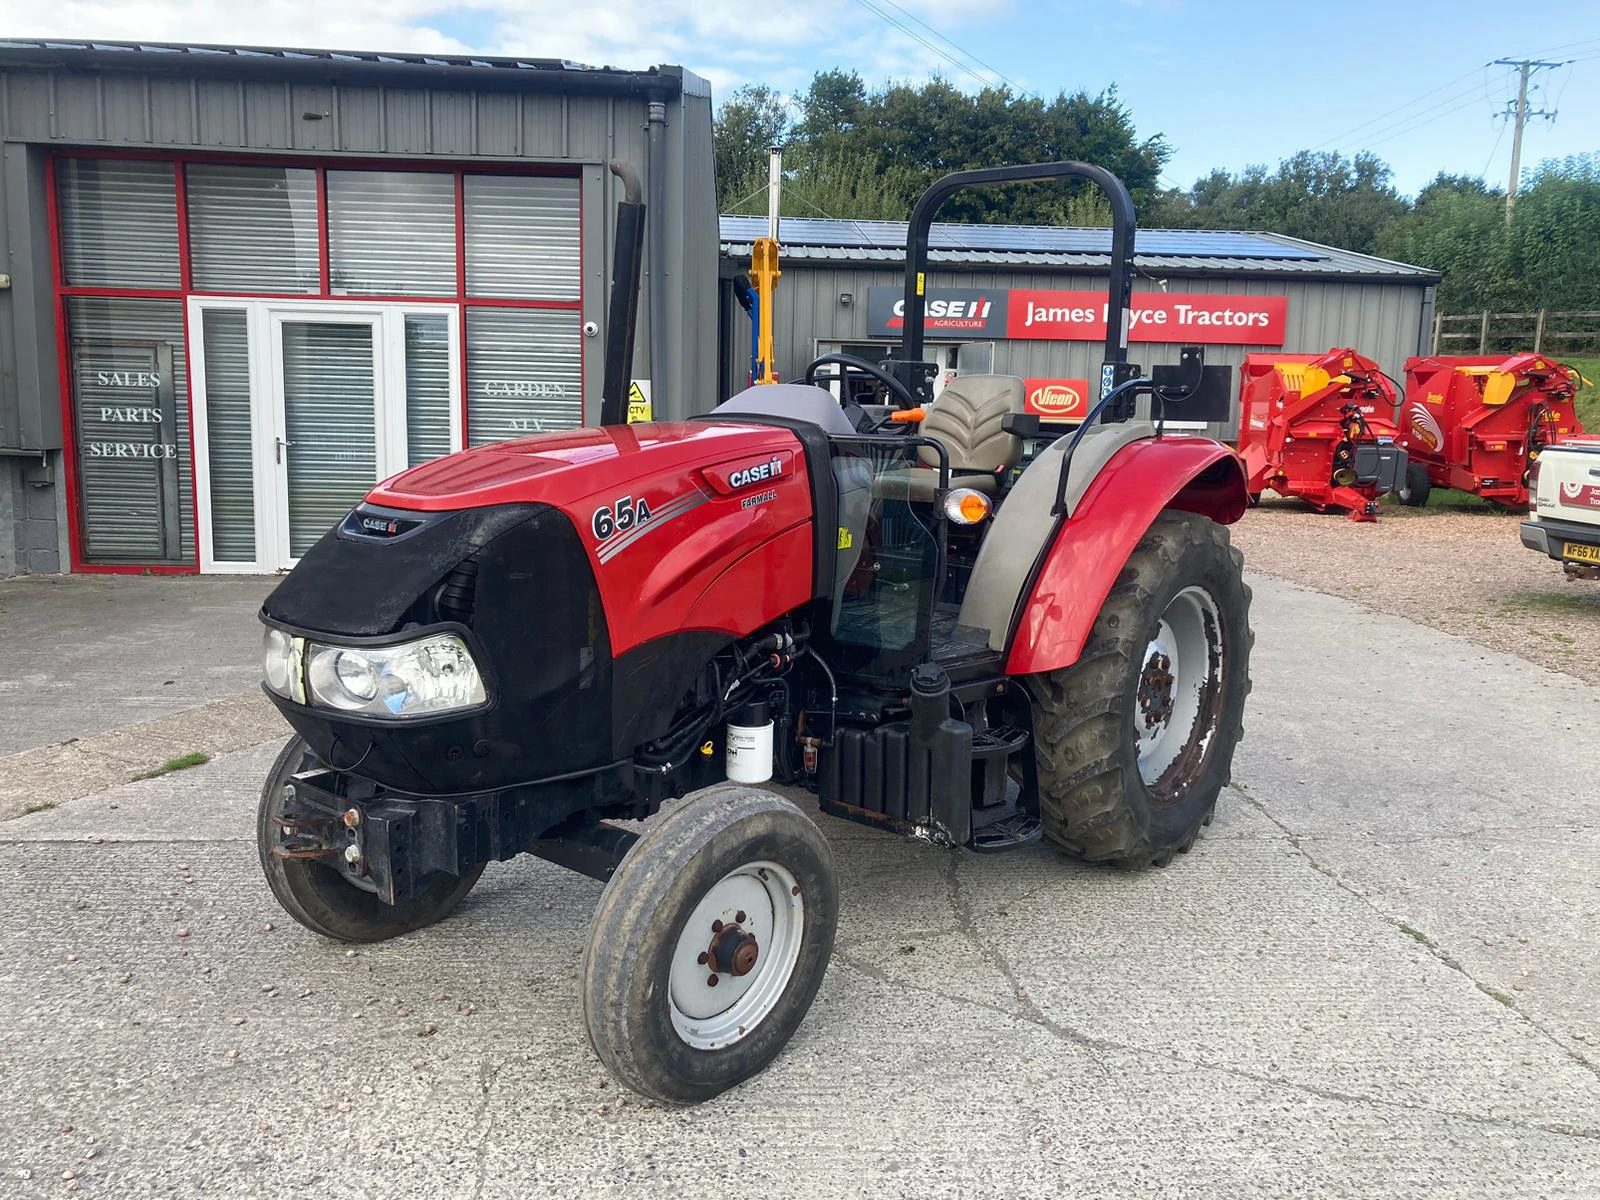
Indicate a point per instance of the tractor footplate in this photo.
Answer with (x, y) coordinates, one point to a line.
(1019, 829)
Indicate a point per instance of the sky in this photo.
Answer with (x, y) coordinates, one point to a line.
(1228, 83)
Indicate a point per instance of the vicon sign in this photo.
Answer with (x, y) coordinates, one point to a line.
(1057, 399)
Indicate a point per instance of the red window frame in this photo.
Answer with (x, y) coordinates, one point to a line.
(321, 165)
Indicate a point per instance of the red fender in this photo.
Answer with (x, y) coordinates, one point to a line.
(1194, 474)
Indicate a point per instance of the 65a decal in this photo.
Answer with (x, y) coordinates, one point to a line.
(626, 520)
(618, 517)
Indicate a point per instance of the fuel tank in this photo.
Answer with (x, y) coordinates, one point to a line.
(592, 574)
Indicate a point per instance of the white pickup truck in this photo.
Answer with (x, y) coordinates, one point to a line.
(1564, 506)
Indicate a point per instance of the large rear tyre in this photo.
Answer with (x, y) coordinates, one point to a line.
(1136, 739)
(709, 944)
(331, 901)
(1418, 484)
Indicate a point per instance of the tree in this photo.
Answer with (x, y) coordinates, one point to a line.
(1323, 198)
(751, 121)
(855, 152)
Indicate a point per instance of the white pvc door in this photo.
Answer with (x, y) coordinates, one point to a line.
(329, 408)
(301, 406)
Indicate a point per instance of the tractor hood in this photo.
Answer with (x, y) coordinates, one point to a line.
(564, 468)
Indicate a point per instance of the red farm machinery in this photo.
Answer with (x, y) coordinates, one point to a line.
(1477, 423)
(1320, 427)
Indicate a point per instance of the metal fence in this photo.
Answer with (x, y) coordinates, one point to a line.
(1544, 332)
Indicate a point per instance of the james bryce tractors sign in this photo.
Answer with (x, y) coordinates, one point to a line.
(1177, 317)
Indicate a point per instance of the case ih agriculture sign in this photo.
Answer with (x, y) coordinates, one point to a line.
(1176, 317)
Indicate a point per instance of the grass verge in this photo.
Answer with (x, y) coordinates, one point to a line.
(181, 763)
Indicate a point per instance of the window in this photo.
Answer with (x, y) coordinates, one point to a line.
(392, 233)
(522, 237)
(229, 452)
(523, 372)
(428, 396)
(119, 223)
(253, 229)
(131, 430)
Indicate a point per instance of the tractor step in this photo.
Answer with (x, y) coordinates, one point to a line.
(1019, 829)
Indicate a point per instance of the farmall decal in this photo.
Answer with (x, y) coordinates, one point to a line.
(1424, 427)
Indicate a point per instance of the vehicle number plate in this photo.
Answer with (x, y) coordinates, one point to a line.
(1580, 553)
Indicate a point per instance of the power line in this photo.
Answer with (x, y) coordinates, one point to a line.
(1470, 95)
(1411, 128)
(1398, 108)
(956, 46)
(922, 41)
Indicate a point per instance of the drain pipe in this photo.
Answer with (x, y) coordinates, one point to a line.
(655, 216)
(623, 319)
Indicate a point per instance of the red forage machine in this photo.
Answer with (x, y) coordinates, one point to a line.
(1319, 427)
(1477, 423)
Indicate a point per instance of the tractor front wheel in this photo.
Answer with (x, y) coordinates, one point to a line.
(709, 944)
(1135, 741)
(329, 897)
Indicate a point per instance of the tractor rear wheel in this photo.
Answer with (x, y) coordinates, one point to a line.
(709, 944)
(1135, 740)
(329, 898)
(1414, 491)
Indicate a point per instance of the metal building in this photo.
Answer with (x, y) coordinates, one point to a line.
(1028, 301)
(242, 285)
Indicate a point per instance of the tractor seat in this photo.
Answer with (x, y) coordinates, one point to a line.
(965, 420)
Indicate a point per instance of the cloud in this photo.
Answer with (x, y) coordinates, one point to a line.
(729, 41)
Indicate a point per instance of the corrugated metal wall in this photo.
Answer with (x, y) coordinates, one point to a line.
(1383, 320)
(133, 110)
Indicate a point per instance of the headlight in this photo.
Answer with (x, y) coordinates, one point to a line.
(280, 664)
(414, 679)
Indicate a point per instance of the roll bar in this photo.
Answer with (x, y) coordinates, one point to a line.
(1115, 370)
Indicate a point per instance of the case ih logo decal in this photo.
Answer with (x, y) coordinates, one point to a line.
(620, 524)
(741, 473)
(947, 310)
(760, 473)
(382, 526)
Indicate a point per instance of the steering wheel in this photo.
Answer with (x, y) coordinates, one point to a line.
(902, 395)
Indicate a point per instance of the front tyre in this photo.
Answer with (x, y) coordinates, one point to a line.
(709, 944)
(1135, 740)
(329, 899)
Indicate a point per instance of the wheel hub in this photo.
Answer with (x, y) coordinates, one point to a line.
(1156, 684)
(735, 955)
(1177, 698)
(733, 951)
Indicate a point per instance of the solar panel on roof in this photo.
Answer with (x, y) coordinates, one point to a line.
(1019, 239)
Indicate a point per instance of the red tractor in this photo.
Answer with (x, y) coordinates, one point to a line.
(1319, 427)
(1478, 423)
(511, 649)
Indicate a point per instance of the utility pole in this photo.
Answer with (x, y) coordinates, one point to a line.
(1518, 112)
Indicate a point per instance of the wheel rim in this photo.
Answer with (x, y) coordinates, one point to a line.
(745, 933)
(1179, 694)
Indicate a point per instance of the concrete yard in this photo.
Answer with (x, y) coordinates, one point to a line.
(1376, 975)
